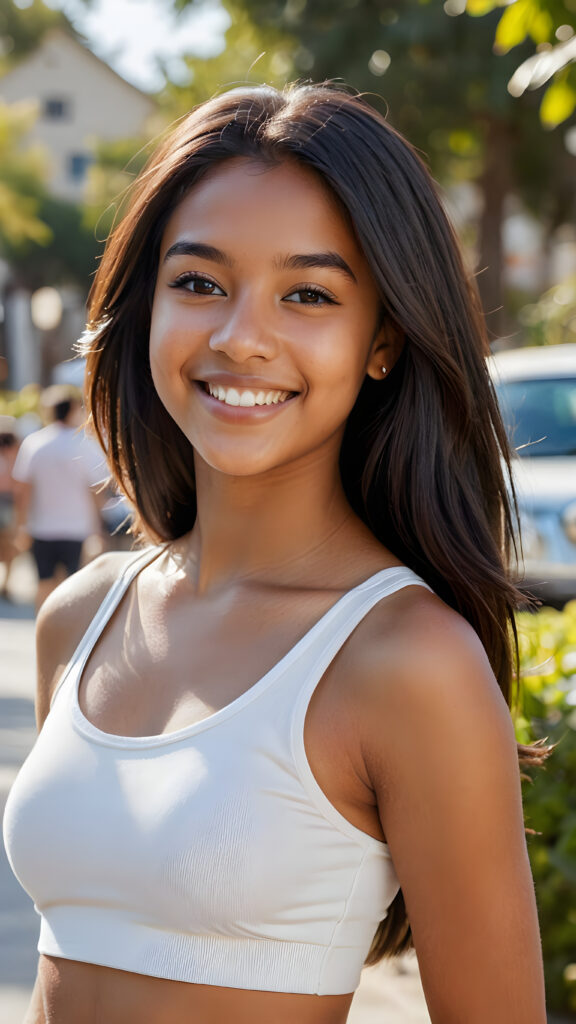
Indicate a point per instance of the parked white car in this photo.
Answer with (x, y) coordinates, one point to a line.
(536, 390)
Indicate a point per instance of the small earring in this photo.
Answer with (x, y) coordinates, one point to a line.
(384, 370)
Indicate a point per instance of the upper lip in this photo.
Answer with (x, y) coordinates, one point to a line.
(228, 380)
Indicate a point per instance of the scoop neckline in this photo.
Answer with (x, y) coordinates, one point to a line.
(87, 728)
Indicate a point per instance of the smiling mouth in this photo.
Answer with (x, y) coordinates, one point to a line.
(245, 397)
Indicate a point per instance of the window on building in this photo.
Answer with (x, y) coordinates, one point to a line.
(78, 164)
(56, 109)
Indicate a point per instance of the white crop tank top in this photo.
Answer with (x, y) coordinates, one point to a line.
(206, 855)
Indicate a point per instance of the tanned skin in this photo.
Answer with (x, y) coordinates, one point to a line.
(408, 733)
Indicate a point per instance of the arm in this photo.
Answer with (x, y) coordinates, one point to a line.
(35, 1013)
(62, 621)
(22, 497)
(21, 476)
(441, 754)
(96, 477)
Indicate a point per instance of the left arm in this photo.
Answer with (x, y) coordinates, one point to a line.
(440, 751)
(22, 499)
(21, 476)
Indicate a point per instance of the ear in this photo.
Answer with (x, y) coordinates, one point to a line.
(385, 350)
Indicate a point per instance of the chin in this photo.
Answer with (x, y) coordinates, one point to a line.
(237, 464)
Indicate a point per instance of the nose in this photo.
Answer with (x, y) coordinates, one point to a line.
(246, 331)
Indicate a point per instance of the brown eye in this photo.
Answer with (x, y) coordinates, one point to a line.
(202, 286)
(197, 284)
(310, 297)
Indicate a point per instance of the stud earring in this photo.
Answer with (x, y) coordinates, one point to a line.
(384, 371)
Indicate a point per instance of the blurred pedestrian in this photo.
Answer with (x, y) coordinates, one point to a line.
(281, 746)
(8, 548)
(57, 473)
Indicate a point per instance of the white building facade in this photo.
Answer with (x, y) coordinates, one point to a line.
(80, 102)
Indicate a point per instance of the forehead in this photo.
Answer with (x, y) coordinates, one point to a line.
(255, 203)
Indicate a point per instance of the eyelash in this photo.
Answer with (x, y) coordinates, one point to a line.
(310, 289)
(185, 279)
(321, 293)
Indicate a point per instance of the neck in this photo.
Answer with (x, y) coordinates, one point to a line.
(269, 526)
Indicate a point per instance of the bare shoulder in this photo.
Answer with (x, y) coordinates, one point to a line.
(424, 694)
(415, 656)
(65, 617)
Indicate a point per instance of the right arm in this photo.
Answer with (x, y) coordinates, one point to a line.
(440, 752)
(62, 622)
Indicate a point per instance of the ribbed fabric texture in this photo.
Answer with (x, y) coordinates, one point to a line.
(207, 855)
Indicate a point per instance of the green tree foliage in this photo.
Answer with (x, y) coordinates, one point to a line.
(115, 166)
(67, 255)
(551, 320)
(45, 240)
(21, 181)
(255, 51)
(549, 24)
(548, 658)
(445, 90)
(22, 30)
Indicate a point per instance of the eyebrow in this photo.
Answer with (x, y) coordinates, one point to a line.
(204, 252)
(306, 261)
(303, 261)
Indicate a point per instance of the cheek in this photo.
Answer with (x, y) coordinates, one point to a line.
(159, 322)
(177, 333)
(166, 346)
(336, 358)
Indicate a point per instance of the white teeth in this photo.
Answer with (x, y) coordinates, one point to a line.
(232, 396)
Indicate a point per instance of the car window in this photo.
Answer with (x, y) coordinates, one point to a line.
(539, 415)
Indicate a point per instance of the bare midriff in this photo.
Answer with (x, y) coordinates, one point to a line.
(79, 993)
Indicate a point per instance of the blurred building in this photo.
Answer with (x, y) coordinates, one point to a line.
(80, 102)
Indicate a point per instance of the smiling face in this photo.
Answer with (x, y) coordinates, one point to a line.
(265, 318)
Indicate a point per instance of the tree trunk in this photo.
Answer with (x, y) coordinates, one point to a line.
(495, 184)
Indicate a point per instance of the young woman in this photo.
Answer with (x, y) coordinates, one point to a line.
(281, 745)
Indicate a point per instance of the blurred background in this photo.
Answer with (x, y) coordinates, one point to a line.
(486, 90)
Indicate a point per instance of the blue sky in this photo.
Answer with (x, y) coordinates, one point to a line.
(130, 34)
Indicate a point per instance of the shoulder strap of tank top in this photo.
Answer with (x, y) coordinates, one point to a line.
(363, 598)
(107, 608)
(348, 614)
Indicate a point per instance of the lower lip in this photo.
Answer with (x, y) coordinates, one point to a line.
(241, 413)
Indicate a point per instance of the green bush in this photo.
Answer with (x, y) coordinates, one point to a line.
(20, 403)
(548, 709)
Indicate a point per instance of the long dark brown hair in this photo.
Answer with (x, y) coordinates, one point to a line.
(423, 452)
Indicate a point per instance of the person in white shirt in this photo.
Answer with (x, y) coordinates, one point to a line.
(57, 471)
